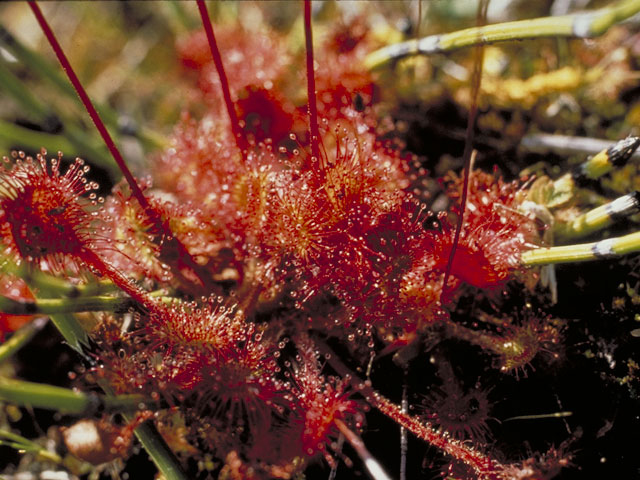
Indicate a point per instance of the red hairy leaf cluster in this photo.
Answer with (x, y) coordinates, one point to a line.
(42, 212)
(294, 249)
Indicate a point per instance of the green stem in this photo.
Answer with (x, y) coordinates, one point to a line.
(35, 62)
(148, 435)
(13, 134)
(71, 330)
(578, 25)
(184, 21)
(76, 143)
(68, 326)
(159, 451)
(54, 285)
(49, 306)
(50, 397)
(78, 140)
(25, 445)
(608, 248)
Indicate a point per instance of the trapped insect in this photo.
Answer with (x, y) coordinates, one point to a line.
(284, 274)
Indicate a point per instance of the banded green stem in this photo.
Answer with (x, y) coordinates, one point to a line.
(577, 25)
(21, 392)
(608, 248)
(599, 218)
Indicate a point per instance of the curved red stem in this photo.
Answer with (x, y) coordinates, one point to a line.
(468, 145)
(311, 83)
(161, 226)
(86, 101)
(217, 60)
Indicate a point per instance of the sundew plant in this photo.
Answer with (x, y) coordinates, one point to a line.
(303, 239)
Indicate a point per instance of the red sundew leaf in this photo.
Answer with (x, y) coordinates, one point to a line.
(45, 220)
(267, 114)
(341, 82)
(250, 59)
(201, 158)
(213, 348)
(356, 168)
(137, 253)
(43, 215)
(381, 285)
(317, 402)
(521, 343)
(231, 190)
(318, 218)
(134, 251)
(494, 234)
(354, 232)
(463, 412)
(213, 327)
(344, 37)
(126, 367)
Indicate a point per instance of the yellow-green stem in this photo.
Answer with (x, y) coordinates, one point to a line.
(580, 25)
(583, 252)
(22, 444)
(21, 392)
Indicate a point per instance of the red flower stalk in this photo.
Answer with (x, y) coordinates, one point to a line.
(311, 84)
(224, 83)
(255, 62)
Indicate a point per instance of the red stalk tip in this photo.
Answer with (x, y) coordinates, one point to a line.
(217, 60)
(311, 83)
